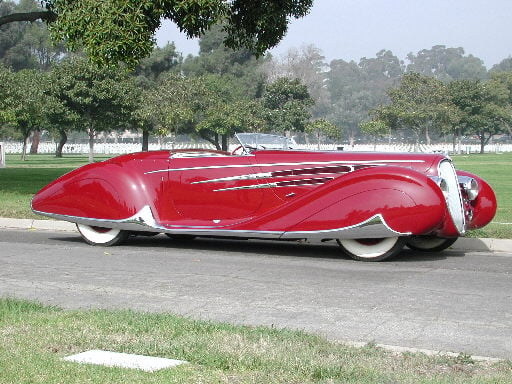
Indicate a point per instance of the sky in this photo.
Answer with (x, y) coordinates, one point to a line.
(352, 29)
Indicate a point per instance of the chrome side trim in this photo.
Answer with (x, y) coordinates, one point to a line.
(181, 155)
(374, 227)
(370, 162)
(249, 176)
(278, 184)
(327, 170)
(143, 220)
(252, 186)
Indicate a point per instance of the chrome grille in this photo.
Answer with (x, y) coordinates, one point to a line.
(453, 198)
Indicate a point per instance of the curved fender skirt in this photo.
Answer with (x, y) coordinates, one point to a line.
(374, 227)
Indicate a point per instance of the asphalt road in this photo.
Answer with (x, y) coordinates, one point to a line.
(451, 301)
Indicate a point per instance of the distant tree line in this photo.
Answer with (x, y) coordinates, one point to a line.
(436, 92)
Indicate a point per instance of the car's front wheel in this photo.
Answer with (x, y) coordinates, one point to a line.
(429, 243)
(372, 249)
(102, 236)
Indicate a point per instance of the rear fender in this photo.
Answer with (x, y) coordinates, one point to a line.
(103, 191)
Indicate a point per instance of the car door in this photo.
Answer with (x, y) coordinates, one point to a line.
(212, 189)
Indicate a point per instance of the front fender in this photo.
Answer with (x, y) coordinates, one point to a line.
(408, 202)
(484, 207)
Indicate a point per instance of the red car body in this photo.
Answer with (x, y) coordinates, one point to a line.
(361, 199)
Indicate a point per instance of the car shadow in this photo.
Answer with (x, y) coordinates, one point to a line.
(408, 255)
(295, 249)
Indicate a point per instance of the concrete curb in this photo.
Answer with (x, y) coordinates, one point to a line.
(463, 244)
(48, 225)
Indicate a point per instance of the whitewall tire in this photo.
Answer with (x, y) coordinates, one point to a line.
(101, 236)
(372, 249)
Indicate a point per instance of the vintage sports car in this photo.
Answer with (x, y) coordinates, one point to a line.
(372, 204)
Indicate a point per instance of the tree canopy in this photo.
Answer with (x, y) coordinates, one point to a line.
(111, 31)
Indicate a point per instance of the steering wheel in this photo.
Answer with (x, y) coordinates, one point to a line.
(233, 152)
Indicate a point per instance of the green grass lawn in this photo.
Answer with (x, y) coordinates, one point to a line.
(34, 339)
(21, 179)
(495, 169)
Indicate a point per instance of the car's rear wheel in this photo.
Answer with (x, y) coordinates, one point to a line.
(372, 249)
(429, 243)
(102, 236)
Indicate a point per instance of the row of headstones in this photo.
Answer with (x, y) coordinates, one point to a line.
(121, 148)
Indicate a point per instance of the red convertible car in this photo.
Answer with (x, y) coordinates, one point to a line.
(372, 204)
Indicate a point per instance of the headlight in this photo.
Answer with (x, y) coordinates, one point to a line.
(469, 185)
(442, 184)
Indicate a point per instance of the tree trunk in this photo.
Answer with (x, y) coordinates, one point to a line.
(224, 142)
(36, 137)
(427, 136)
(24, 150)
(145, 140)
(459, 141)
(216, 142)
(482, 142)
(509, 129)
(60, 146)
(91, 145)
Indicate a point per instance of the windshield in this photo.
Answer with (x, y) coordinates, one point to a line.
(252, 141)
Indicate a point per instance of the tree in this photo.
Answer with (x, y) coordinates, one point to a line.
(238, 67)
(227, 111)
(446, 64)
(504, 65)
(501, 82)
(123, 30)
(356, 88)
(287, 102)
(175, 104)
(162, 60)
(59, 116)
(26, 46)
(322, 128)
(374, 128)
(103, 98)
(223, 119)
(25, 102)
(483, 107)
(306, 64)
(420, 103)
(6, 88)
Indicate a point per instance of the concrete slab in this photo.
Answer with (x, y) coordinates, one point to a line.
(124, 360)
(474, 244)
(50, 225)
